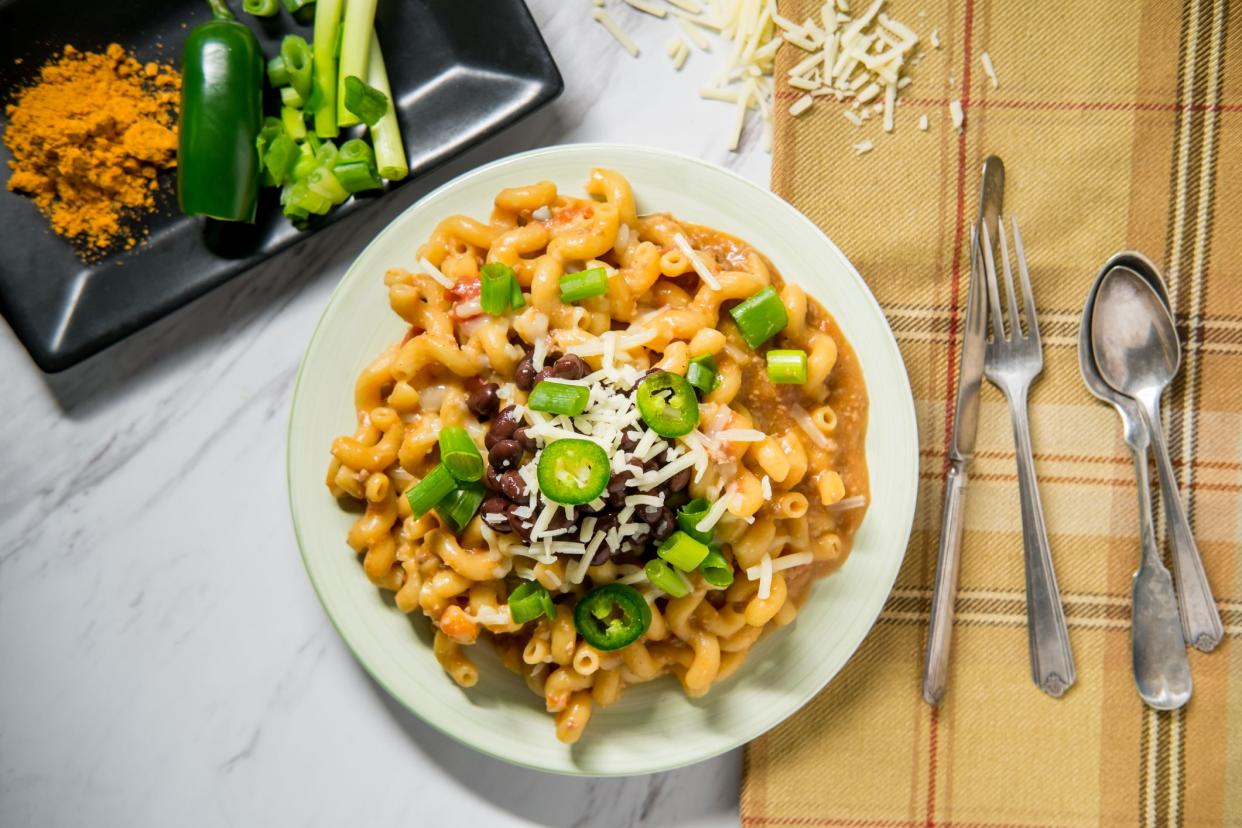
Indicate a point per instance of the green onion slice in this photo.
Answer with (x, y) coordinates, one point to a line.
(559, 398)
(683, 551)
(459, 505)
(290, 97)
(356, 150)
(294, 121)
(573, 471)
(584, 284)
(701, 373)
(666, 579)
(277, 72)
(715, 569)
(516, 299)
(787, 367)
(667, 404)
(496, 281)
(689, 516)
(760, 317)
(356, 177)
(365, 101)
(296, 53)
(529, 601)
(429, 491)
(460, 455)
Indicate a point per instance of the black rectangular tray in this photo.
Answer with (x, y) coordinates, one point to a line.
(460, 70)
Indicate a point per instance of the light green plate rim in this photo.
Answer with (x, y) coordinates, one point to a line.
(654, 727)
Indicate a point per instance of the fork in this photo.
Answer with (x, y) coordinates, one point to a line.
(1012, 361)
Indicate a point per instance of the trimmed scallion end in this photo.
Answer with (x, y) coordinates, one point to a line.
(558, 398)
(702, 374)
(460, 455)
(366, 102)
(386, 135)
(429, 491)
(496, 286)
(583, 285)
(666, 579)
(787, 367)
(459, 505)
(353, 54)
(327, 25)
(689, 516)
(683, 551)
(715, 569)
(530, 600)
(760, 317)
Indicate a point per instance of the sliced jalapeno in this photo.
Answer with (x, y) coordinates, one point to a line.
(668, 404)
(612, 616)
(573, 472)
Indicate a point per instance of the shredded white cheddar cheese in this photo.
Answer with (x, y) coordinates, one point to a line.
(989, 69)
(959, 117)
(618, 34)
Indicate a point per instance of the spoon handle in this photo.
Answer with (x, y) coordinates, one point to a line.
(1201, 625)
(1161, 669)
(1052, 661)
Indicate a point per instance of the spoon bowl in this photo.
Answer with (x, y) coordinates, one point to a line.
(1133, 336)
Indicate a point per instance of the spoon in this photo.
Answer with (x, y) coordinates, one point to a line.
(1137, 353)
(1201, 626)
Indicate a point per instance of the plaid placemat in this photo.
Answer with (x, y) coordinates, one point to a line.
(1120, 124)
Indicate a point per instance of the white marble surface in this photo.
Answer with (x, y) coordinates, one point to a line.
(163, 660)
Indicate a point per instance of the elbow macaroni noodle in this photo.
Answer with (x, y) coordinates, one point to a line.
(780, 490)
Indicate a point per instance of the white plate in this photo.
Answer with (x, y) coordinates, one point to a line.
(654, 726)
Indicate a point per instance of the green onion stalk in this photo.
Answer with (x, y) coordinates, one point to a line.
(386, 134)
(355, 53)
(327, 21)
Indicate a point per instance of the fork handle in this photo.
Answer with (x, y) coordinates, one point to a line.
(940, 629)
(1052, 662)
(1201, 625)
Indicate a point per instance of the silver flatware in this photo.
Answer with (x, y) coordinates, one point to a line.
(962, 447)
(1201, 625)
(1161, 669)
(1013, 360)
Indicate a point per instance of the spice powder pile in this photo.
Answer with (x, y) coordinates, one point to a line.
(88, 139)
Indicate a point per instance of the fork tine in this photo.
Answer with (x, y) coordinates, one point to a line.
(1028, 298)
(989, 271)
(1015, 321)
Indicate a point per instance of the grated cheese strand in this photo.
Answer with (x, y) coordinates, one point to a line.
(618, 34)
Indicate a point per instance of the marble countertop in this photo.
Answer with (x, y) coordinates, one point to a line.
(165, 661)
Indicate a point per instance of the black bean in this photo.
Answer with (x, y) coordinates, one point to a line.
(513, 486)
(521, 526)
(495, 513)
(503, 426)
(628, 442)
(570, 367)
(679, 481)
(491, 480)
(664, 526)
(522, 435)
(601, 555)
(650, 514)
(606, 521)
(505, 455)
(652, 464)
(543, 374)
(483, 398)
(675, 500)
(617, 489)
(525, 374)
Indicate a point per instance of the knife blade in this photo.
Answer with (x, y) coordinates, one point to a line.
(962, 447)
(974, 330)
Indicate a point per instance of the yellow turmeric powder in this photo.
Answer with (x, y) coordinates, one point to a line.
(88, 139)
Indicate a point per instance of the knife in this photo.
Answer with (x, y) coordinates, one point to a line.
(962, 446)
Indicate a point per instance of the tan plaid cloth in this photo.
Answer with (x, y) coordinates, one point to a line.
(1120, 124)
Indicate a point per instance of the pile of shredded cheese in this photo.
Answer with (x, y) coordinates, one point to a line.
(862, 60)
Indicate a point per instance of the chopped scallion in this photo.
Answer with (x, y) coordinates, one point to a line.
(715, 569)
(787, 367)
(324, 182)
(559, 398)
(689, 516)
(496, 281)
(429, 491)
(277, 72)
(760, 317)
(366, 102)
(584, 284)
(294, 121)
(666, 579)
(356, 177)
(296, 53)
(701, 373)
(459, 505)
(460, 455)
(290, 97)
(683, 551)
(530, 600)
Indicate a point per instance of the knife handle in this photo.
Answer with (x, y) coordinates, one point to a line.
(940, 627)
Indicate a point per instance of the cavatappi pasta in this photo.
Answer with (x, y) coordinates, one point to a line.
(619, 446)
